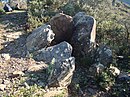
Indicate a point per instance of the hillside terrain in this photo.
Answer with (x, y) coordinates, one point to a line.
(23, 76)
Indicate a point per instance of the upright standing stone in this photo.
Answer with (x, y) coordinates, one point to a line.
(84, 33)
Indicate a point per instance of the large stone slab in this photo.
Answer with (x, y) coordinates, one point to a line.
(84, 33)
(40, 38)
(54, 53)
(62, 27)
(62, 72)
(60, 63)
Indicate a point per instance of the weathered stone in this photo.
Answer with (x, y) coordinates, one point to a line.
(62, 27)
(92, 91)
(84, 33)
(2, 87)
(103, 55)
(7, 8)
(40, 37)
(1, 80)
(114, 70)
(62, 72)
(96, 68)
(6, 82)
(54, 53)
(26, 85)
(37, 67)
(124, 76)
(20, 73)
(16, 74)
(5, 56)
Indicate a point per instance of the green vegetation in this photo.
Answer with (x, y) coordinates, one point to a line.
(112, 21)
(2, 12)
(113, 25)
(40, 11)
(113, 29)
(106, 79)
(1, 9)
(32, 91)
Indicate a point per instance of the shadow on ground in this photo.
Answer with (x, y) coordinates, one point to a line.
(15, 48)
(15, 17)
(13, 34)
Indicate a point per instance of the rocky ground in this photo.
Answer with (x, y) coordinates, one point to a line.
(13, 60)
(22, 76)
(12, 42)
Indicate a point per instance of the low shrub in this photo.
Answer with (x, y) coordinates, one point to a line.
(2, 12)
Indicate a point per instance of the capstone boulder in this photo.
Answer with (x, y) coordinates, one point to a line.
(40, 38)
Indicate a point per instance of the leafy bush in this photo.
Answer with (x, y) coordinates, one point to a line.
(1, 8)
(105, 79)
(40, 11)
(71, 8)
(2, 12)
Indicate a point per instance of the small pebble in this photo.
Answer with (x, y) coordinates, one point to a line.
(2, 87)
(5, 56)
(18, 73)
